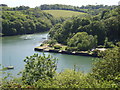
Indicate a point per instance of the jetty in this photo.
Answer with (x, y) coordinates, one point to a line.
(59, 48)
(46, 49)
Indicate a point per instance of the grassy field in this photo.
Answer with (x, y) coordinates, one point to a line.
(63, 13)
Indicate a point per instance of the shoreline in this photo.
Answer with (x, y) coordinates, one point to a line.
(80, 53)
(24, 34)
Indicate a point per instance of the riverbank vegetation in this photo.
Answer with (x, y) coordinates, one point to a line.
(101, 28)
(40, 72)
(90, 9)
(25, 22)
(87, 33)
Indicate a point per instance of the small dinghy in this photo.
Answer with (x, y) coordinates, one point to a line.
(10, 67)
(28, 37)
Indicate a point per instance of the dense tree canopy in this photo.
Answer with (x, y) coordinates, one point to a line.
(108, 68)
(26, 22)
(82, 41)
(91, 9)
(102, 26)
(38, 67)
(60, 7)
(63, 32)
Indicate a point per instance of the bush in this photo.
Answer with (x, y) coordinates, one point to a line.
(38, 67)
(39, 72)
(108, 67)
(118, 44)
(96, 52)
(66, 79)
(71, 49)
(109, 45)
(73, 79)
(83, 41)
(57, 47)
(52, 42)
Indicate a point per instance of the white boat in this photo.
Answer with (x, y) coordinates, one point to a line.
(28, 37)
(10, 67)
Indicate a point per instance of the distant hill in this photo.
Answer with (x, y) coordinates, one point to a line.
(60, 7)
(90, 9)
(63, 13)
(25, 21)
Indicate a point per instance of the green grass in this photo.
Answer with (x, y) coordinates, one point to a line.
(63, 13)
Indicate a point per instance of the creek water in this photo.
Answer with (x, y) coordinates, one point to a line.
(16, 48)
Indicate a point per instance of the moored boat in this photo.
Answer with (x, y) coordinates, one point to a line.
(10, 67)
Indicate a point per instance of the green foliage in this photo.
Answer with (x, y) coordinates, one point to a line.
(57, 47)
(7, 80)
(73, 79)
(66, 79)
(71, 49)
(108, 68)
(40, 73)
(63, 32)
(60, 7)
(76, 32)
(38, 67)
(118, 44)
(105, 27)
(25, 22)
(90, 9)
(83, 41)
(109, 45)
(12, 83)
(64, 13)
(52, 42)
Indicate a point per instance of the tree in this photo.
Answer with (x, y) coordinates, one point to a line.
(82, 41)
(113, 28)
(25, 21)
(38, 67)
(52, 42)
(108, 67)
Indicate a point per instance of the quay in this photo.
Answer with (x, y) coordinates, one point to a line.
(81, 53)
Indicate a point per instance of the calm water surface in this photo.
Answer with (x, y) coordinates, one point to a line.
(15, 49)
